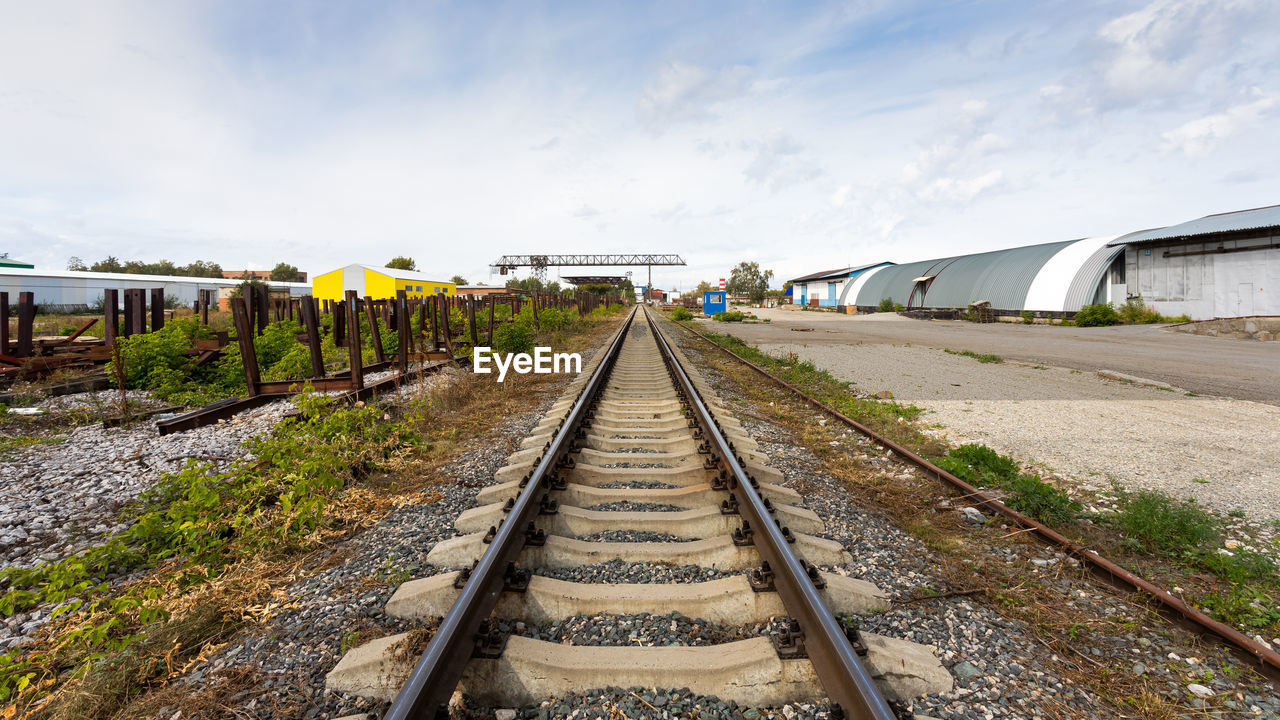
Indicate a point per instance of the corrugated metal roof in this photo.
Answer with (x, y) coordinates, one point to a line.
(837, 273)
(1001, 277)
(1257, 218)
(1091, 272)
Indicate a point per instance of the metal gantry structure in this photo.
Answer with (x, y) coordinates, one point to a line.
(540, 263)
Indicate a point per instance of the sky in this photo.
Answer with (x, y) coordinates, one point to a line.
(802, 136)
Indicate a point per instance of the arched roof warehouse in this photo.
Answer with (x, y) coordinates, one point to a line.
(1052, 277)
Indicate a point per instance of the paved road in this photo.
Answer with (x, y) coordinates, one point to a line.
(1242, 369)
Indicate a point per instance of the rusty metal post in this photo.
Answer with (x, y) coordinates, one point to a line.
(471, 316)
(127, 328)
(26, 323)
(263, 298)
(444, 325)
(244, 336)
(204, 306)
(311, 324)
(375, 333)
(4, 323)
(435, 323)
(353, 341)
(490, 302)
(110, 316)
(157, 308)
(339, 324)
(402, 332)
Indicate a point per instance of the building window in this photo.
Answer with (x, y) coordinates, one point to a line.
(419, 288)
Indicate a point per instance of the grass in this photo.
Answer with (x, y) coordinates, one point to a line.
(980, 465)
(10, 445)
(980, 357)
(1184, 533)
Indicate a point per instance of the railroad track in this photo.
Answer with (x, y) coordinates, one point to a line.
(639, 429)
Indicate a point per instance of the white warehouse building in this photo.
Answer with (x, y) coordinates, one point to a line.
(70, 290)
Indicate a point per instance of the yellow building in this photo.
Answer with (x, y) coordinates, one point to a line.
(377, 283)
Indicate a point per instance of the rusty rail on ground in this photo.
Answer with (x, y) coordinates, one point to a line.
(1267, 659)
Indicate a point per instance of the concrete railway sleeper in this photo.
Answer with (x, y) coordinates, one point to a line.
(639, 427)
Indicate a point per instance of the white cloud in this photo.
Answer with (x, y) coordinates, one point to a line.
(1198, 137)
(685, 92)
(842, 196)
(1164, 49)
(779, 162)
(961, 191)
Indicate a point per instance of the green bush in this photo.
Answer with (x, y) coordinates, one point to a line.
(157, 352)
(554, 319)
(886, 305)
(1028, 317)
(1039, 499)
(897, 307)
(730, 316)
(979, 465)
(681, 314)
(513, 338)
(1158, 523)
(1098, 315)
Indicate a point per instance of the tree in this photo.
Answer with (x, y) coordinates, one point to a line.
(401, 262)
(458, 280)
(200, 268)
(747, 279)
(75, 263)
(284, 272)
(704, 287)
(110, 265)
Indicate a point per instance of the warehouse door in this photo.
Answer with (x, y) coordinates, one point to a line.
(1244, 299)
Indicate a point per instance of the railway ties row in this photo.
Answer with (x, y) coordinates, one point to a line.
(636, 432)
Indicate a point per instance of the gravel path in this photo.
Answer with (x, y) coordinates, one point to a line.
(1224, 453)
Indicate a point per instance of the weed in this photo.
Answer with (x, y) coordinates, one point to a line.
(1158, 523)
(1097, 315)
(681, 314)
(1028, 317)
(886, 305)
(730, 316)
(980, 357)
(984, 467)
(1039, 499)
(1237, 513)
(1202, 481)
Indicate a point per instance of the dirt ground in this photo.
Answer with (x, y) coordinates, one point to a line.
(1045, 404)
(1241, 369)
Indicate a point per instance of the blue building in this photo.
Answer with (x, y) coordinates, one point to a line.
(715, 301)
(824, 289)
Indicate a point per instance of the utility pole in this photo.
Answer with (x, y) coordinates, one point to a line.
(648, 289)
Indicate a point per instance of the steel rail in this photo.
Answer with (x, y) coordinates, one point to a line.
(1268, 659)
(426, 693)
(843, 677)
